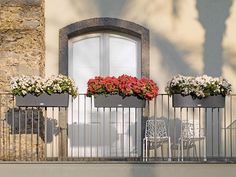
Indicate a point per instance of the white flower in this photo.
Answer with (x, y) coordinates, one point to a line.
(201, 86)
(36, 85)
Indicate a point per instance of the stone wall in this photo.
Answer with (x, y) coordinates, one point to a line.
(22, 49)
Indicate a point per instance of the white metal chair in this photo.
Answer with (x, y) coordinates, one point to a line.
(155, 137)
(190, 133)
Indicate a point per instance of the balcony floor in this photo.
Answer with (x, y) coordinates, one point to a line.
(50, 169)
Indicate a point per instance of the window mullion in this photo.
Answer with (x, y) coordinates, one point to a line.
(106, 55)
(102, 53)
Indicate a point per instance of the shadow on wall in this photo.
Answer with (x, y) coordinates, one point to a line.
(175, 8)
(212, 16)
(110, 8)
(31, 121)
(172, 56)
(105, 7)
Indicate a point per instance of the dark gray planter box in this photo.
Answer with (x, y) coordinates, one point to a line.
(118, 101)
(43, 100)
(189, 102)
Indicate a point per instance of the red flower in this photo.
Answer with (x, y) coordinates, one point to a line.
(123, 85)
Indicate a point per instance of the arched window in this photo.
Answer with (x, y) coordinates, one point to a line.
(102, 46)
(105, 27)
(103, 54)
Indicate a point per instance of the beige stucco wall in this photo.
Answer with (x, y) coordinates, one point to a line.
(189, 37)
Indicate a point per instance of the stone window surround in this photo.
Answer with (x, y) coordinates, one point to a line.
(102, 24)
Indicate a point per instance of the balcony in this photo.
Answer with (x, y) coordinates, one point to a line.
(83, 133)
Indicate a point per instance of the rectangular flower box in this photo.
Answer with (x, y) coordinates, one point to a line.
(217, 101)
(43, 100)
(118, 101)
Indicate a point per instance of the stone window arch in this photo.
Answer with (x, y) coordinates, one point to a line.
(102, 24)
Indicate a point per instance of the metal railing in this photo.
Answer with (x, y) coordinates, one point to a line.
(83, 132)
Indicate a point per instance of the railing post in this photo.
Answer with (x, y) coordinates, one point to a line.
(63, 135)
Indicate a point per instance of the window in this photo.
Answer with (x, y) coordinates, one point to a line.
(103, 54)
(103, 46)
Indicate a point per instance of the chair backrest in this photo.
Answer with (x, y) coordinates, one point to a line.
(190, 129)
(155, 128)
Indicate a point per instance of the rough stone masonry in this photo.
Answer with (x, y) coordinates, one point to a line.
(21, 39)
(22, 51)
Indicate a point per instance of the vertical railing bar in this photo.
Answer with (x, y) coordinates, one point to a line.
(110, 123)
(91, 126)
(194, 131)
(1, 122)
(206, 134)
(4, 140)
(187, 133)
(168, 124)
(13, 130)
(26, 120)
(78, 97)
(155, 130)
(225, 132)
(129, 132)
(32, 129)
(103, 132)
(199, 133)
(38, 133)
(85, 125)
(117, 131)
(53, 129)
(175, 128)
(181, 132)
(46, 133)
(97, 133)
(135, 132)
(212, 133)
(13, 127)
(19, 124)
(231, 121)
(123, 133)
(67, 140)
(148, 116)
(56, 134)
(60, 144)
(72, 130)
(9, 136)
(162, 106)
(219, 133)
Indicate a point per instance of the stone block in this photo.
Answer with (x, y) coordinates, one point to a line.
(21, 2)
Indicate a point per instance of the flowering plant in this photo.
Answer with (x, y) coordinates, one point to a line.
(201, 86)
(36, 85)
(124, 86)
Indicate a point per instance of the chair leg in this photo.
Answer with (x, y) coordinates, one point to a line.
(195, 152)
(179, 152)
(144, 157)
(162, 153)
(204, 142)
(182, 150)
(146, 149)
(169, 149)
(188, 155)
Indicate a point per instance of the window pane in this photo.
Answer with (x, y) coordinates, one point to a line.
(123, 56)
(85, 64)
